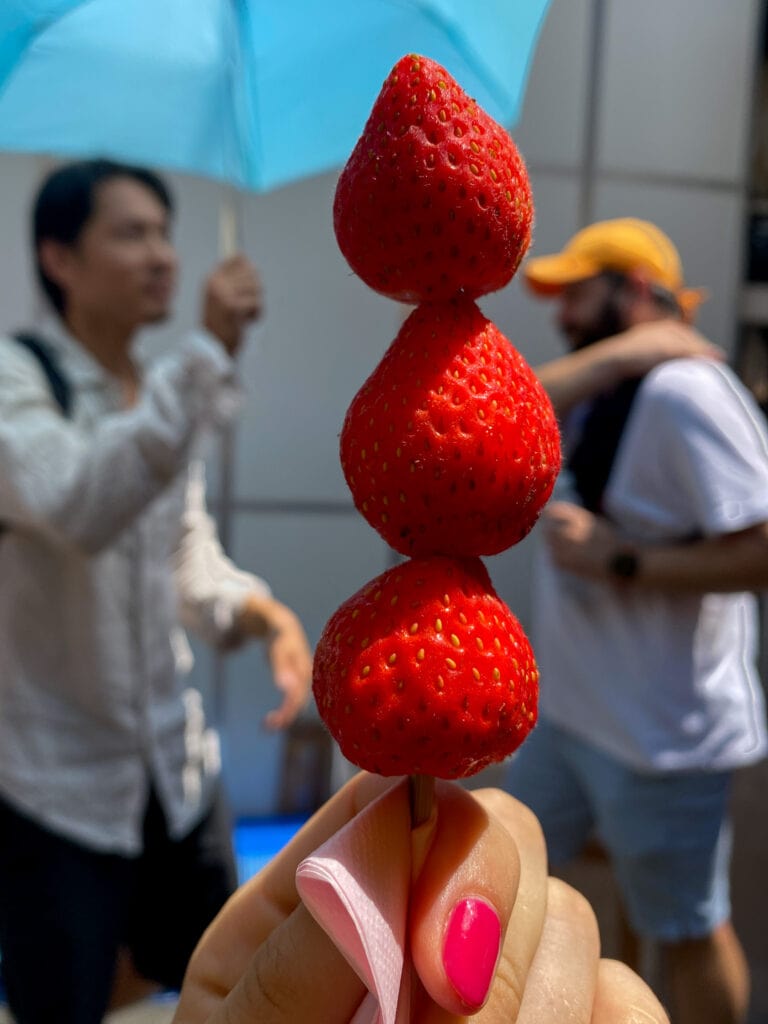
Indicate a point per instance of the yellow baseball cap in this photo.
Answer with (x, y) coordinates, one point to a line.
(623, 244)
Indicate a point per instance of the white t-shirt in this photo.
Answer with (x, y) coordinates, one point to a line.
(665, 681)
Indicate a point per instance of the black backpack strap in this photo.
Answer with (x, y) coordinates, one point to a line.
(58, 383)
(591, 461)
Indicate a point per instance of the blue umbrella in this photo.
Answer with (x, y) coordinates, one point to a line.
(254, 93)
(257, 93)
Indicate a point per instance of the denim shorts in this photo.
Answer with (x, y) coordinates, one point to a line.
(668, 834)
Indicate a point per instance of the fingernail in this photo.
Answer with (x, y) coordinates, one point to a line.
(471, 950)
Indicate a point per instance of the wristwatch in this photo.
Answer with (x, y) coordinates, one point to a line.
(624, 564)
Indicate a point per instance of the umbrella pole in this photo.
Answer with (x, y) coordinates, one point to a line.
(230, 222)
(230, 242)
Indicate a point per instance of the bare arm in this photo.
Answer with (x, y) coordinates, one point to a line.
(288, 651)
(732, 562)
(580, 375)
(584, 544)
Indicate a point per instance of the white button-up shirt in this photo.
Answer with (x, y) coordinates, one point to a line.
(107, 552)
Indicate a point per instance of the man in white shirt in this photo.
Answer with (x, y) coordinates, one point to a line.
(115, 852)
(645, 624)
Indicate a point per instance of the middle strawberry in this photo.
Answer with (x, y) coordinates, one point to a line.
(451, 446)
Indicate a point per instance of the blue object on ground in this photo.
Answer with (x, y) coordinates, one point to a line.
(257, 840)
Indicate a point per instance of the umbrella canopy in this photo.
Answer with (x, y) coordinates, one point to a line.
(257, 93)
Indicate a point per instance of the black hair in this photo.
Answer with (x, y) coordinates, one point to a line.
(665, 300)
(65, 202)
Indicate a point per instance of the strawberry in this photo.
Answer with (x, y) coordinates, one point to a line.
(451, 446)
(425, 670)
(434, 199)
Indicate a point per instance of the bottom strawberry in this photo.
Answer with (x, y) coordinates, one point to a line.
(425, 670)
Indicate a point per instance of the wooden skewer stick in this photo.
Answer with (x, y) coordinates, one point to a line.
(421, 790)
(421, 794)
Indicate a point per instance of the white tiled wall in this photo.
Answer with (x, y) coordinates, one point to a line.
(18, 178)
(529, 325)
(323, 333)
(670, 128)
(676, 87)
(313, 563)
(551, 128)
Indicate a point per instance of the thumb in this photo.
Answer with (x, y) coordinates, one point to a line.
(463, 897)
(296, 975)
(485, 872)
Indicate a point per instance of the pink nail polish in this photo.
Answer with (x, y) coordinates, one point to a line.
(471, 950)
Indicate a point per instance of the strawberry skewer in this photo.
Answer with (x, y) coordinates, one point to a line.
(450, 448)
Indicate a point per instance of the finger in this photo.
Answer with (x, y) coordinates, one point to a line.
(472, 894)
(247, 312)
(294, 699)
(556, 509)
(224, 270)
(237, 261)
(557, 516)
(245, 289)
(245, 274)
(560, 987)
(242, 298)
(296, 975)
(237, 279)
(262, 904)
(280, 718)
(528, 915)
(291, 664)
(241, 268)
(460, 905)
(624, 998)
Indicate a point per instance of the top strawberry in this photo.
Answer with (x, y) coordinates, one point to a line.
(435, 199)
